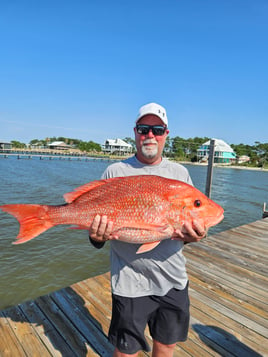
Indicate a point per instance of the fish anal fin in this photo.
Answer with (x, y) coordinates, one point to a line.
(146, 247)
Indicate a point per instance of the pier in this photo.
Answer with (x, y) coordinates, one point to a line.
(27, 156)
(229, 306)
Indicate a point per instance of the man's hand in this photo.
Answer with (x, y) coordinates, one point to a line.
(101, 229)
(191, 232)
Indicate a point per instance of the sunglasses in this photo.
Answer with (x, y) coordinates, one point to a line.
(157, 130)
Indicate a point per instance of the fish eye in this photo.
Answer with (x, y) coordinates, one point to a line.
(197, 203)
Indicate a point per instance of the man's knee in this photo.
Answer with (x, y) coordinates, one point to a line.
(162, 349)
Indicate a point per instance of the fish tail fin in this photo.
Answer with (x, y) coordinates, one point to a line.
(33, 219)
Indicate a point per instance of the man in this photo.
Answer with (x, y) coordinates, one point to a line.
(149, 288)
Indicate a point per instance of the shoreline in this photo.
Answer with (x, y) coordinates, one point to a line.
(77, 153)
(225, 166)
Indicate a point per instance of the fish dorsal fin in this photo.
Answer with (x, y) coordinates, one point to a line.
(78, 191)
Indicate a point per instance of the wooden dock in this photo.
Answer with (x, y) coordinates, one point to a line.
(229, 300)
(27, 156)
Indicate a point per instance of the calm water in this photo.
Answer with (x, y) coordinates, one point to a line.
(60, 257)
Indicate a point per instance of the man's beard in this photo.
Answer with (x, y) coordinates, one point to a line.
(149, 151)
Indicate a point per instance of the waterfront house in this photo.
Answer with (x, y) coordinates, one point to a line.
(242, 159)
(223, 152)
(59, 145)
(116, 146)
(5, 146)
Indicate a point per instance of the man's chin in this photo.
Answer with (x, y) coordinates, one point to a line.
(149, 154)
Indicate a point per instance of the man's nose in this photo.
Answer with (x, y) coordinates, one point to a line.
(150, 134)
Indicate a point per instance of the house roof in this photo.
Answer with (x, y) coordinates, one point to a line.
(117, 142)
(220, 145)
(58, 143)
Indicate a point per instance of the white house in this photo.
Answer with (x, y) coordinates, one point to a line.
(223, 152)
(116, 146)
(59, 145)
(242, 159)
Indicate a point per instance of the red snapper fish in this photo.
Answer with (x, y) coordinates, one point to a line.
(145, 209)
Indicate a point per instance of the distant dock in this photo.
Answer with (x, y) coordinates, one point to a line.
(53, 155)
(229, 306)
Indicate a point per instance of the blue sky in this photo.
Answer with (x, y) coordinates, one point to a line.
(82, 68)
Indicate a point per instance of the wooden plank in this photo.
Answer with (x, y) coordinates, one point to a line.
(239, 265)
(237, 240)
(207, 315)
(82, 321)
(197, 348)
(51, 338)
(225, 311)
(225, 285)
(218, 266)
(9, 344)
(219, 293)
(64, 326)
(25, 333)
(218, 275)
(226, 344)
(238, 251)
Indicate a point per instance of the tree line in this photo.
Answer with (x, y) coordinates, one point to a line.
(177, 148)
(186, 149)
(87, 146)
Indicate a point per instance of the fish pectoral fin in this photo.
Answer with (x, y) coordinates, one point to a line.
(165, 230)
(78, 227)
(147, 226)
(146, 247)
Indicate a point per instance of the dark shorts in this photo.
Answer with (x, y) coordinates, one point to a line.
(167, 317)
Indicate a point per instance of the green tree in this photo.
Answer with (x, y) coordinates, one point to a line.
(17, 144)
(130, 141)
(89, 146)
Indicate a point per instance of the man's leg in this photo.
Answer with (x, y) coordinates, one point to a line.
(160, 350)
(129, 319)
(170, 323)
(117, 353)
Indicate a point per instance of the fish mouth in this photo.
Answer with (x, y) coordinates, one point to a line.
(212, 220)
(220, 218)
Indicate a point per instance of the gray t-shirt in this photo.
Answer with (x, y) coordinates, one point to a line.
(161, 269)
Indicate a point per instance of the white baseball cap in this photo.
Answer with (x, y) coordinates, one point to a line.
(155, 109)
